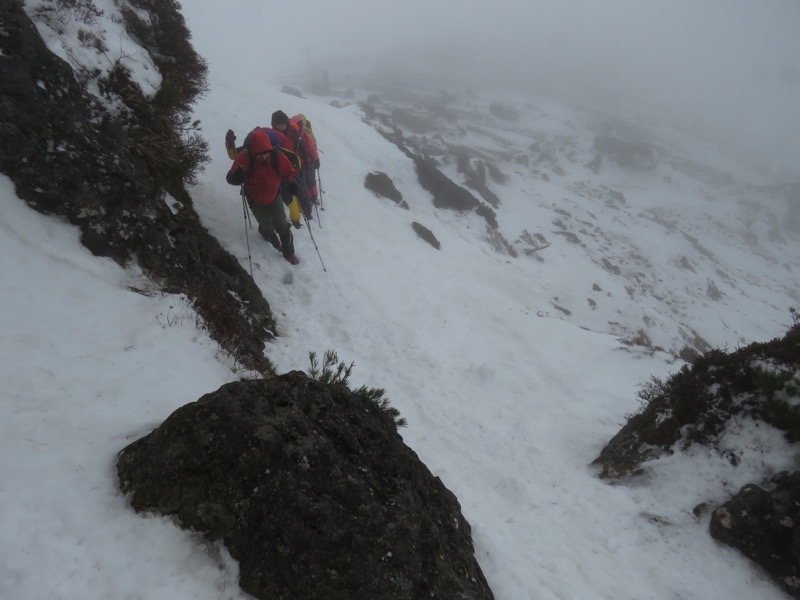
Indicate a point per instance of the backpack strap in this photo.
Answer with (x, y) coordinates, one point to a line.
(293, 157)
(274, 157)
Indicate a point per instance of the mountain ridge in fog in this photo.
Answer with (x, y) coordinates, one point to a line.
(729, 71)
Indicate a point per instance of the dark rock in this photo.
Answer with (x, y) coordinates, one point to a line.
(311, 489)
(764, 525)
(476, 178)
(67, 156)
(446, 193)
(426, 234)
(712, 291)
(381, 185)
(292, 91)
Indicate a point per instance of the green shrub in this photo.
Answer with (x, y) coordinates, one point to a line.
(166, 133)
(332, 371)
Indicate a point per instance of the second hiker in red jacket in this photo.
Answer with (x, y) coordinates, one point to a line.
(262, 169)
(311, 160)
(293, 139)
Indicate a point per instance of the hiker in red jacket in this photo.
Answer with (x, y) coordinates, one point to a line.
(311, 162)
(262, 169)
(294, 140)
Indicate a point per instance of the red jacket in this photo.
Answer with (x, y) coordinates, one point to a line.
(262, 181)
(300, 143)
(307, 142)
(311, 148)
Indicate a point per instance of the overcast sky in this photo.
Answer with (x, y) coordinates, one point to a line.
(732, 66)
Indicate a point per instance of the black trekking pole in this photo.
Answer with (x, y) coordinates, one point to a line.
(321, 191)
(316, 210)
(246, 234)
(313, 204)
(313, 241)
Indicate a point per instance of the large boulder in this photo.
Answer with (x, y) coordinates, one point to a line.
(763, 523)
(311, 489)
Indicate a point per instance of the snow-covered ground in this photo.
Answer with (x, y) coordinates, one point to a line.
(510, 371)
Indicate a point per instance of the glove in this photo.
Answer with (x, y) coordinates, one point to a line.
(236, 176)
(293, 188)
(230, 144)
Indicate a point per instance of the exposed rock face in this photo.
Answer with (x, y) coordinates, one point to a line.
(67, 157)
(311, 489)
(476, 178)
(426, 234)
(446, 193)
(764, 525)
(381, 184)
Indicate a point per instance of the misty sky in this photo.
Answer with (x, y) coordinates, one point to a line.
(729, 66)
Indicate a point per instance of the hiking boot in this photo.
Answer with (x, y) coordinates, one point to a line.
(273, 239)
(297, 224)
(308, 214)
(292, 259)
(287, 245)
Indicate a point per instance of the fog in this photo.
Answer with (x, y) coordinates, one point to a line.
(727, 69)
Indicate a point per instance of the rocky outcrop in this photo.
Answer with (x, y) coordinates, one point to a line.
(381, 185)
(475, 177)
(426, 234)
(764, 525)
(448, 194)
(68, 156)
(696, 406)
(311, 489)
